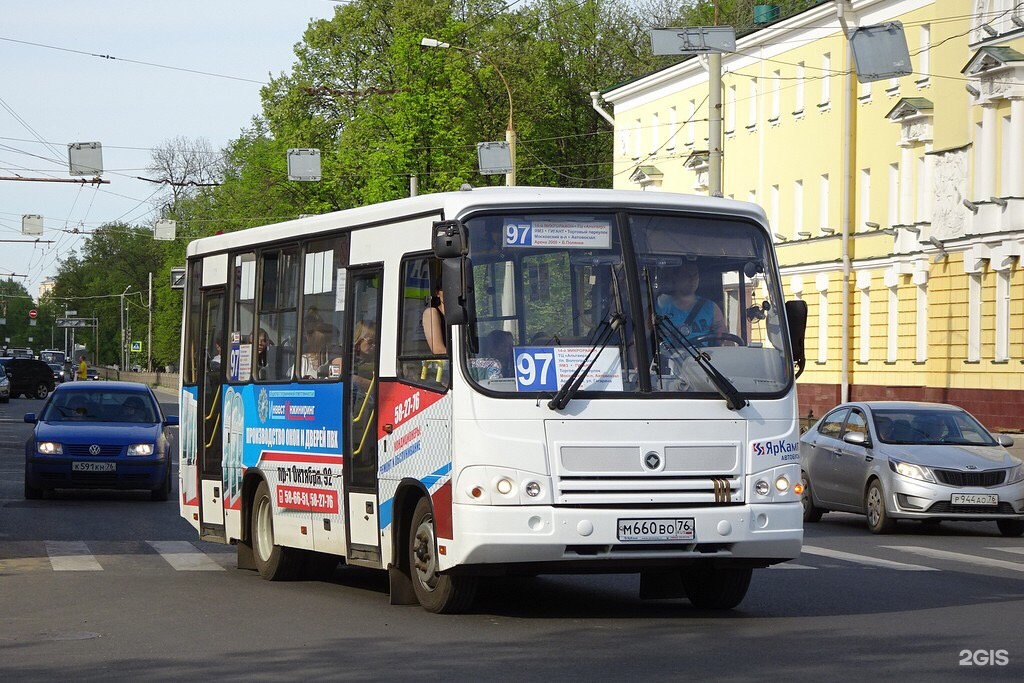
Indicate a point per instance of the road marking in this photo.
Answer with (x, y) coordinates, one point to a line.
(71, 556)
(959, 557)
(184, 556)
(865, 559)
(791, 565)
(1019, 551)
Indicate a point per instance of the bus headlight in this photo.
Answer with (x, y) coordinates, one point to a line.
(782, 484)
(504, 486)
(761, 488)
(486, 485)
(532, 489)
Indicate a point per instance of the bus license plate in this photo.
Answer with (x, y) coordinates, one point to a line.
(652, 530)
(974, 499)
(94, 466)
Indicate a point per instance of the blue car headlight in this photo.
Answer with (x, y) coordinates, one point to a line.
(912, 471)
(49, 448)
(140, 449)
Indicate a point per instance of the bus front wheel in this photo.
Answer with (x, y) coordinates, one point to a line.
(711, 587)
(438, 593)
(273, 562)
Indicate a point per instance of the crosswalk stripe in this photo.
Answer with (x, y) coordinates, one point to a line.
(865, 559)
(791, 565)
(184, 556)
(1018, 551)
(71, 556)
(959, 557)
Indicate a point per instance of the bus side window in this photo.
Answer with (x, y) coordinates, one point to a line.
(324, 275)
(422, 360)
(278, 316)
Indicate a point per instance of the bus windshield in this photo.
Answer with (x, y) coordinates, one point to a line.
(634, 302)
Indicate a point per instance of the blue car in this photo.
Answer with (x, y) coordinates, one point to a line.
(99, 435)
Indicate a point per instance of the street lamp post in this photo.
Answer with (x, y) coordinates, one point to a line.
(510, 131)
(123, 339)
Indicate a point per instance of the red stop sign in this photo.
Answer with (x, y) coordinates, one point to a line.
(32, 313)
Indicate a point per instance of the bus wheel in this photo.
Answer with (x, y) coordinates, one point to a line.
(273, 562)
(711, 587)
(441, 594)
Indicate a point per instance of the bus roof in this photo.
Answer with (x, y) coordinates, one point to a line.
(455, 204)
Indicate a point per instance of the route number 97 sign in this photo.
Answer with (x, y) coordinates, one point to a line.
(547, 368)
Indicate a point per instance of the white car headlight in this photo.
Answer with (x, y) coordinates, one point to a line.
(912, 471)
(140, 449)
(49, 448)
(1015, 474)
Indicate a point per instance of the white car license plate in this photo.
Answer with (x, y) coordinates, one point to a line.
(974, 499)
(648, 530)
(94, 466)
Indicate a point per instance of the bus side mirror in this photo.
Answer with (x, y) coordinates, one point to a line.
(450, 239)
(456, 283)
(796, 317)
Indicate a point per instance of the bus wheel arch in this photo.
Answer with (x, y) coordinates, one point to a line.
(441, 593)
(273, 562)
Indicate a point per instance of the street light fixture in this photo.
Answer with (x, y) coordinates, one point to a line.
(510, 131)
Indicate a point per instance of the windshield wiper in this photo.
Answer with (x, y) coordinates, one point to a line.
(734, 400)
(602, 337)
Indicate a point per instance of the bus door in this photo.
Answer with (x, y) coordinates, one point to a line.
(209, 444)
(362, 369)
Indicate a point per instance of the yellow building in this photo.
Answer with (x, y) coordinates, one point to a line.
(897, 205)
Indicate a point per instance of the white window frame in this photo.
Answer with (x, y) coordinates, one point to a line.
(973, 317)
(730, 111)
(673, 123)
(752, 104)
(776, 95)
(773, 207)
(691, 124)
(798, 207)
(637, 142)
(893, 216)
(800, 76)
(823, 201)
(655, 142)
(924, 34)
(826, 79)
(865, 195)
(1002, 316)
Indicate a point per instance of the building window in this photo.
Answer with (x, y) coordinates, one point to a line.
(624, 142)
(773, 207)
(865, 317)
(752, 104)
(637, 143)
(1002, 315)
(865, 93)
(823, 201)
(655, 143)
(921, 354)
(673, 121)
(923, 55)
(826, 79)
(691, 124)
(730, 111)
(892, 326)
(800, 74)
(776, 95)
(894, 195)
(798, 208)
(821, 284)
(865, 195)
(973, 317)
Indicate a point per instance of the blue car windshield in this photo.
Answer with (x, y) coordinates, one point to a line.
(923, 426)
(85, 405)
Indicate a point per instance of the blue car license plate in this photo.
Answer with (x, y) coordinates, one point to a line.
(94, 467)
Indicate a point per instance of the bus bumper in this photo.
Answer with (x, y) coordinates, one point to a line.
(580, 539)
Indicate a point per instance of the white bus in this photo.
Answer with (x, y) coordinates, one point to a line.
(496, 382)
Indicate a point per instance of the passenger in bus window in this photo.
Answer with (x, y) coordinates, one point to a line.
(433, 323)
(691, 314)
(262, 343)
(499, 344)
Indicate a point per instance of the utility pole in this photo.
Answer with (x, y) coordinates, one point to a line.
(149, 332)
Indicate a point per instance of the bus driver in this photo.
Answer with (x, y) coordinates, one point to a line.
(693, 315)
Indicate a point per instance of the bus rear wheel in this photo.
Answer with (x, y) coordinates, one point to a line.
(438, 593)
(273, 562)
(711, 587)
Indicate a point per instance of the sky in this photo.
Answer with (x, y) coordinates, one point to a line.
(54, 91)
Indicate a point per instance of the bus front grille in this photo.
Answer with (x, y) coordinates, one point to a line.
(579, 490)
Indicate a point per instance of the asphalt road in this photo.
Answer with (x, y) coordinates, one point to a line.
(101, 585)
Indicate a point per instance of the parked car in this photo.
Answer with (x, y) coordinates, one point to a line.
(92, 373)
(5, 386)
(904, 460)
(58, 372)
(106, 435)
(29, 377)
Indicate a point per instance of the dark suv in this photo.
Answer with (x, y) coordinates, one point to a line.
(28, 376)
